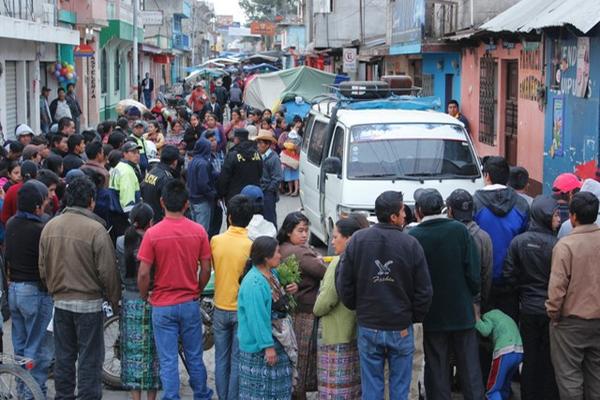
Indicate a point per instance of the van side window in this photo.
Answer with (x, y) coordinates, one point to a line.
(337, 149)
(307, 130)
(317, 142)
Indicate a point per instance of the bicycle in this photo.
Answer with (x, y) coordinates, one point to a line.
(111, 368)
(15, 378)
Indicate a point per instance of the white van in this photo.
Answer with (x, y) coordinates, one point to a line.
(346, 163)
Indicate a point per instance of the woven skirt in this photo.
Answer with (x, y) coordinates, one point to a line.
(306, 336)
(260, 381)
(338, 371)
(139, 361)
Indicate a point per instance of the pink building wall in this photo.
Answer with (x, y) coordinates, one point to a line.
(530, 130)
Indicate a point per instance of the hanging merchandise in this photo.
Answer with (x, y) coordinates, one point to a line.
(63, 72)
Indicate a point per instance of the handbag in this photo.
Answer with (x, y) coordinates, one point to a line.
(289, 160)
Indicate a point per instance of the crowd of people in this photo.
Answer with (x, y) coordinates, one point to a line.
(129, 216)
(97, 198)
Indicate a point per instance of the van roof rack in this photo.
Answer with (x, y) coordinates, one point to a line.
(369, 95)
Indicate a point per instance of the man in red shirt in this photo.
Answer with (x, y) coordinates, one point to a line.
(174, 248)
(197, 98)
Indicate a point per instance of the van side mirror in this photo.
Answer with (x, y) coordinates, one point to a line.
(332, 165)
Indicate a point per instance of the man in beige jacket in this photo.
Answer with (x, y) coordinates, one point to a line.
(573, 303)
(78, 265)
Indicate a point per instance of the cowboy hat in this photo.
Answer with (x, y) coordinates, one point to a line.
(266, 135)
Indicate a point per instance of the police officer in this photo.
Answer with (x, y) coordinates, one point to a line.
(157, 178)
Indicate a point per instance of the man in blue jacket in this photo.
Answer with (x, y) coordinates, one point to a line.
(503, 214)
(201, 184)
(383, 275)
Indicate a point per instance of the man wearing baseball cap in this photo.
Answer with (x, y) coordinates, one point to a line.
(157, 178)
(454, 268)
(24, 134)
(563, 189)
(125, 177)
(137, 135)
(460, 207)
(243, 166)
(30, 304)
(258, 225)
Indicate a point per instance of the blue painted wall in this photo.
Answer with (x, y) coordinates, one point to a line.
(431, 64)
(581, 115)
(296, 36)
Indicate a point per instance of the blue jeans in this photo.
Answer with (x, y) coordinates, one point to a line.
(202, 213)
(171, 323)
(374, 347)
(227, 354)
(31, 312)
(501, 374)
(147, 98)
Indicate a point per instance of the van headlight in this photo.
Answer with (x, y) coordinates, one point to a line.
(343, 211)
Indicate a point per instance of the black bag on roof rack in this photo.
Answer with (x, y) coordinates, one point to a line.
(364, 90)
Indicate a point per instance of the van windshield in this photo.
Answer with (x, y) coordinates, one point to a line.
(410, 151)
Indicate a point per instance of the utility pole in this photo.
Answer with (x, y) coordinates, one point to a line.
(193, 34)
(136, 6)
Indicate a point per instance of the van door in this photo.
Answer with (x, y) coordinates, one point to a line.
(331, 195)
(310, 174)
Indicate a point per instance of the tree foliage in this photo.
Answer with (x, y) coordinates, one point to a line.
(267, 9)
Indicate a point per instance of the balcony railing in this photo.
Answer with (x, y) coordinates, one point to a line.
(30, 10)
(181, 41)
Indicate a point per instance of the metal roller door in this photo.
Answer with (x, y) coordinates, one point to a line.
(10, 78)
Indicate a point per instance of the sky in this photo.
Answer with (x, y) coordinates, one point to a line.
(229, 7)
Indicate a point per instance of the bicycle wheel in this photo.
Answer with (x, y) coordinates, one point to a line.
(13, 379)
(111, 367)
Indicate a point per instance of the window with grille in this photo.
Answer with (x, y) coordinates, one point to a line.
(487, 99)
(427, 85)
(117, 68)
(104, 72)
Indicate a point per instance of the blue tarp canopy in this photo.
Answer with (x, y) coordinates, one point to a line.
(292, 109)
(396, 103)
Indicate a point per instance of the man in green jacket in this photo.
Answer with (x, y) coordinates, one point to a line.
(125, 177)
(454, 268)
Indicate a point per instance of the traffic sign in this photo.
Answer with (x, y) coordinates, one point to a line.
(350, 60)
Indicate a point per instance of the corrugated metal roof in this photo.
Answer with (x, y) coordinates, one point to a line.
(529, 15)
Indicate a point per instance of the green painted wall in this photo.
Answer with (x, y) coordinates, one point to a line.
(65, 53)
(114, 93)
(121, 30)
(68, 17)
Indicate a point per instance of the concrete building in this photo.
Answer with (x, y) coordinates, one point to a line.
(32, 34)
(202, 30)
(173, 34)
(116, 58)
(417, 40)
(332, 26)
(529, 88)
